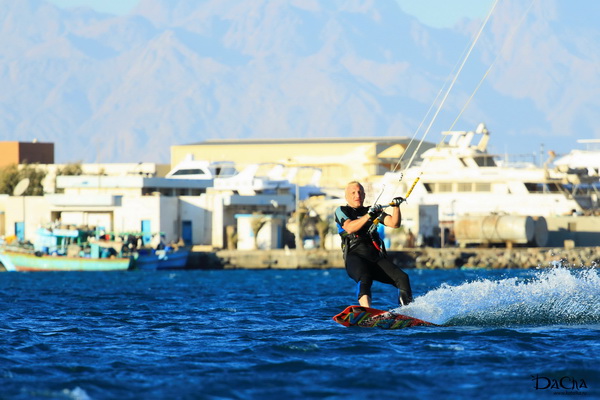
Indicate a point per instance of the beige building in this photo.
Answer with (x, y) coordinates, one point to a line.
(340, 159)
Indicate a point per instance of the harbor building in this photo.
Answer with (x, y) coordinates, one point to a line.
(213, 188)
(191, 211)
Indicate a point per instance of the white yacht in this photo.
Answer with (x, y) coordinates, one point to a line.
(254, 179)
(587, 160)
(463, 179)
(203, 170)
(272, 178)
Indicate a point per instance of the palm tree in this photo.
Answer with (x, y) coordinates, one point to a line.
(323, 227)
(257, 223)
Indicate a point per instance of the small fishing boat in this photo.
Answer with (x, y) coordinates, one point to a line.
(167, 258)
(25, 261)
(64, 250)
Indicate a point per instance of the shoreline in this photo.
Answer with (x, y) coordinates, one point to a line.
(419, 258)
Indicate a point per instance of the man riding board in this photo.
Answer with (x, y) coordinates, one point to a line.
(364, 251)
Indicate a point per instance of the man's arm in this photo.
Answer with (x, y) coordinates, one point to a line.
(354, 225)
(394, 220)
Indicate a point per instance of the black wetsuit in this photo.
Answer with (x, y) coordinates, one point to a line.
(365, 257)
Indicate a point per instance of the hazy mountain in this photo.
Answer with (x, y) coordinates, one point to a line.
(124, 89)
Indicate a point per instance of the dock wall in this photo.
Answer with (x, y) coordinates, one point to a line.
(425, 258)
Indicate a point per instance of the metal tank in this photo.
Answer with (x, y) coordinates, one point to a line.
(540, 237)
(495, 229)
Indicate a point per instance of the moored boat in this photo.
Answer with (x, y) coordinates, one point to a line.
(64, 250)
(167, 258)
(21, 260)
(175, 259)
(463, 179)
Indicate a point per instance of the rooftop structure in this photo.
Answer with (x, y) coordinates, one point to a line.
(26, 152)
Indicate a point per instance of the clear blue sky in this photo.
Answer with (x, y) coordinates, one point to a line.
(108, 6)
(445, 13)
(435, 13)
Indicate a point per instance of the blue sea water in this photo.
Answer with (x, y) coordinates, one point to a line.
(268, 334)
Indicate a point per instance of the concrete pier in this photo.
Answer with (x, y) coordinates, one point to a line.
(421, 258)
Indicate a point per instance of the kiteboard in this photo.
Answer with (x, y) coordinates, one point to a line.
(367, 317)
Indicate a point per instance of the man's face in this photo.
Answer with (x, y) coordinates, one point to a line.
(355, 195)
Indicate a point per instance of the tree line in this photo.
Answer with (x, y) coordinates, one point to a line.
(12, 174)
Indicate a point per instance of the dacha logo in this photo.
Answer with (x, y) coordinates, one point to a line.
(563, 383)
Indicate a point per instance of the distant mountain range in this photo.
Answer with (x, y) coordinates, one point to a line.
(110, 88)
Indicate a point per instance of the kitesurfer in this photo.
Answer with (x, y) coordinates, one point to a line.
(364, 251)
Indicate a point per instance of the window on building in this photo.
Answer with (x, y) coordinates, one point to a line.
(483, 187)
(444, 187)
(464, 187)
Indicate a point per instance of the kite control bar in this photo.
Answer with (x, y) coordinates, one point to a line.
(376, 220)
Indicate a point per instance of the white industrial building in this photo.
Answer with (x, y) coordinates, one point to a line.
(189, 210)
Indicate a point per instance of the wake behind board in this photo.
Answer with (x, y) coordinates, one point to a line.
(372, 318)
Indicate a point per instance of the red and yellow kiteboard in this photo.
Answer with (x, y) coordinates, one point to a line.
(372, 318)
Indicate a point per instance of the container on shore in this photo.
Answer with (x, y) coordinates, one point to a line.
(498, 229)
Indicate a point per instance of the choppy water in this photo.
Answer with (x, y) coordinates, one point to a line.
(524, 334)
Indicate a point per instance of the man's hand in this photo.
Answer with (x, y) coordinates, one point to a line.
(375, 210)
(397, 201)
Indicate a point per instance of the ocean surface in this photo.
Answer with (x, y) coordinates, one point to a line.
(242, 334)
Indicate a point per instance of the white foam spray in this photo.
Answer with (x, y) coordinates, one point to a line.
(552, 296)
